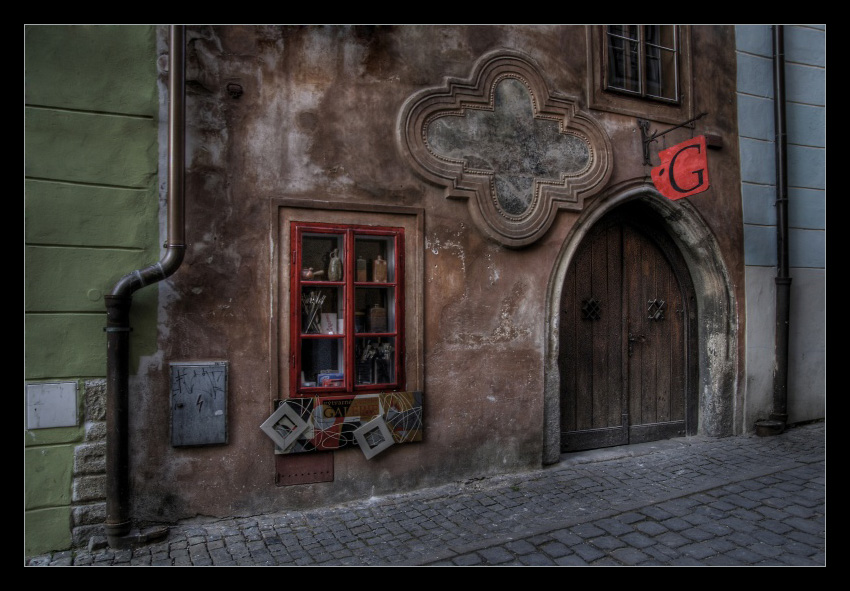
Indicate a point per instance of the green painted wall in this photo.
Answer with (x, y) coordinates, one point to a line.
(44, 529)
(91, 216)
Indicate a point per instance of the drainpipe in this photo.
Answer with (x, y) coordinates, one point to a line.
(779, 416)
(118, 530)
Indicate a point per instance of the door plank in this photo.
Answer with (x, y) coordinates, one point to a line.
(632, 307)
(663, 327)
(649, 348)
(599, 289)
(584, 340)
(614, 326)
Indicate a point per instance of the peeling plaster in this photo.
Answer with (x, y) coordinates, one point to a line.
(435, 245)
(506, 330)
(493, 273)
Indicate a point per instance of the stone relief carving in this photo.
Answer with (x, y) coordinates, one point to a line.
(501, 140)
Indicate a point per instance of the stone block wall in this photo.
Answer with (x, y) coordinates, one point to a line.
(88, 490)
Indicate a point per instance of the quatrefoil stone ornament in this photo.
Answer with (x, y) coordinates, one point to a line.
(501, 140)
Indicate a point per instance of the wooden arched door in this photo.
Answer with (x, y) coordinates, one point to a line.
(626, 332)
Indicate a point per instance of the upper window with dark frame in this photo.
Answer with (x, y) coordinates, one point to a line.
(642, 60)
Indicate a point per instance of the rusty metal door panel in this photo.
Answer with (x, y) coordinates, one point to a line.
(304, 468)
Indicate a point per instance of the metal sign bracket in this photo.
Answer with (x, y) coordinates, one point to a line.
(646, 138)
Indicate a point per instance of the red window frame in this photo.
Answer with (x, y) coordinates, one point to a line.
(350, 293)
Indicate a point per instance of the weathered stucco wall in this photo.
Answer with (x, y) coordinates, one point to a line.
(310, 113)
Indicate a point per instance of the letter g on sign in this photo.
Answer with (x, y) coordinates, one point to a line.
(683, 170)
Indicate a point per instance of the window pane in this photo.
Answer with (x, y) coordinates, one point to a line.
(322, 309)
(374, 310)
(661, 35)
(627, 31)
(375, 258)
(322, 363)
(322, 257)
(661, 73)
(623, 62)
(374, 361)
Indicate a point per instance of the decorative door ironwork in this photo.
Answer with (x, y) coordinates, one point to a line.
(591, 309)
(655, 309)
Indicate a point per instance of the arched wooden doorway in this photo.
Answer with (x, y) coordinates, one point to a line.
(627, 336)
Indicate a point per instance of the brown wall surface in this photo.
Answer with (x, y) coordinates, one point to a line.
(317, 120)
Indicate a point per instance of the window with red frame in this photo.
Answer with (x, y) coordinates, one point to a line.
(347, 309)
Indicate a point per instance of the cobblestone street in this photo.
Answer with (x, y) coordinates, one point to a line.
(733, 501)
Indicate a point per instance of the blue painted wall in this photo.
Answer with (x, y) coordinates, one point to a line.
(805, 79)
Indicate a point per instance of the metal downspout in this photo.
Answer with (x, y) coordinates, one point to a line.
(779, 416)
(118, 525)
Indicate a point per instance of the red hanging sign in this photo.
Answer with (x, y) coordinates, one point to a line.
(683, 170)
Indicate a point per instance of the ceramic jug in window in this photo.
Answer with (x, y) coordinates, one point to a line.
(379, 270)
(335, 266)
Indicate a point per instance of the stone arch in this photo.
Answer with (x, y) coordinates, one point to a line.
(716, 309)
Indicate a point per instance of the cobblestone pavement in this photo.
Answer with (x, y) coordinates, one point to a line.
(732, 501)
